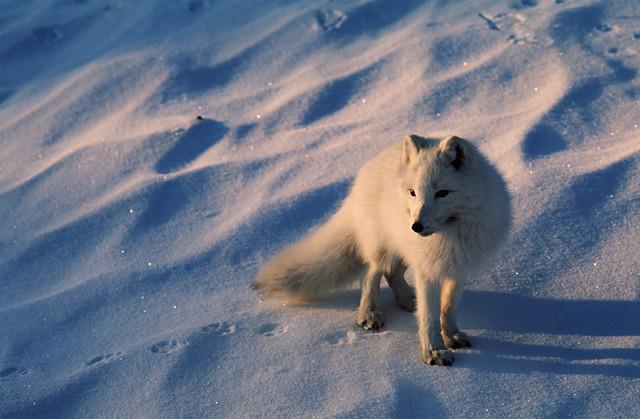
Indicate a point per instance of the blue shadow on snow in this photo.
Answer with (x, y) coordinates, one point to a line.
(334, 96)
(542, 140)
(522, 315)
(204, 133)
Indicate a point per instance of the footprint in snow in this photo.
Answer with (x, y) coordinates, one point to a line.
(271, 329)
(341, 337)
(605, 27)
(101, 359)
(168, 346)
(175, 345)
(219, 329)
(330, 19)
(348, 337)
(47, 35)
(197, 5)
(13, 372)
(490, 21)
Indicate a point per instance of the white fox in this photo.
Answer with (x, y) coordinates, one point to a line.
(436, 206)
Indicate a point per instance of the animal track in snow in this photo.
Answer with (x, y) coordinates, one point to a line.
(491, 23)
(101, 359)
(219, 329)
(168, 346)
(330, 19)
(341, 337)
(197, 5)
(13, 372)
(271, 329)
(175, 345)
(47, 35)
(606, 27)
(512, 21)
(529, 3)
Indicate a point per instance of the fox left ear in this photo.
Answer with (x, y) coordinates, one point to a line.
(410, 147)
(454, 151)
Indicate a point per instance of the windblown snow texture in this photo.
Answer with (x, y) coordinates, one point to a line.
(154, 154)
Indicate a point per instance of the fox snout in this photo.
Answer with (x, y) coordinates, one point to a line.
(420, 229)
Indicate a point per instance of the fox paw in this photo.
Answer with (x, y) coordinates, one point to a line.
(370, 319)
(456, 340)
(406, 301)
(441, 357)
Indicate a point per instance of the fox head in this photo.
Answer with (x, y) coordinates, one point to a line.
(439, 182)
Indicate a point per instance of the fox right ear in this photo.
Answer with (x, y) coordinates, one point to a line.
(409, 148)
(454, 151)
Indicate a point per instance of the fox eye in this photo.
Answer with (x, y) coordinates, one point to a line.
(442, 193)
(412, 192)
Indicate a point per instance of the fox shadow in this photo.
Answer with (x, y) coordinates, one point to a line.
(521, 315)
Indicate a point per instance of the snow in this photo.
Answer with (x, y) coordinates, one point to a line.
(154, 154)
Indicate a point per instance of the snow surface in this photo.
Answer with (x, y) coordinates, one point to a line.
(130, 229)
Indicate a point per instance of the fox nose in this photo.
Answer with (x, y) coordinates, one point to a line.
(417, 227)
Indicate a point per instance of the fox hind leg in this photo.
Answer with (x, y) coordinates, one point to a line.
(404, 294)
(370, 316)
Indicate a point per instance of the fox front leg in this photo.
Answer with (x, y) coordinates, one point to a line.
(432, 346)
(450, 298)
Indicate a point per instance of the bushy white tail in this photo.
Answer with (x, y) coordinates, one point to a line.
(316, 265)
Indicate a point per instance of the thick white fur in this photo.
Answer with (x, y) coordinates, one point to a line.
(372, 233)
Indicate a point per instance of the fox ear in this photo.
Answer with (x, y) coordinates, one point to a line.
(409, 148)
(454, 151)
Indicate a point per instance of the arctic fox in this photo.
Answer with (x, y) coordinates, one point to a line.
(434, 205)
